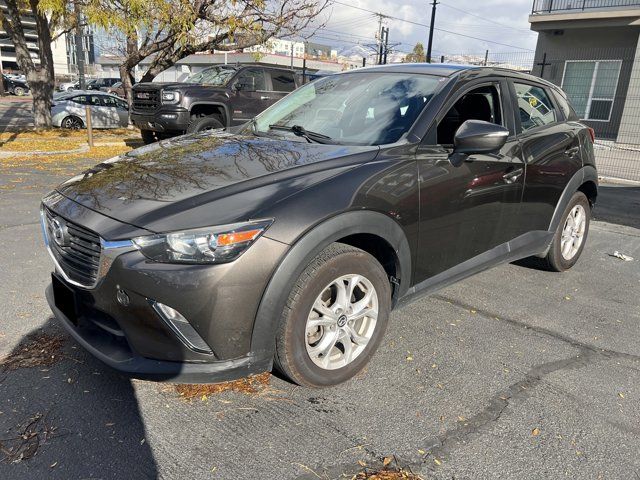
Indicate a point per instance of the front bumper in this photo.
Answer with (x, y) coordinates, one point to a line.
(164, 120)
(219, 302)
(117, 354)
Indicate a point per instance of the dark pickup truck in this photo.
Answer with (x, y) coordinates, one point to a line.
(217, 97)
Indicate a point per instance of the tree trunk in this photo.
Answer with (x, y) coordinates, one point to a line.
(41, 85)
(40, 77)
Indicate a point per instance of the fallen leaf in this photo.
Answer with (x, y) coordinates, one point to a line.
(362, 463)
(53, 465)
(535, 432)
(421, 452)
(437, 462)
(386, 461)
(409, 358)
(621, 395)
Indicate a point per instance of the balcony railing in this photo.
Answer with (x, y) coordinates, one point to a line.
(548, 6)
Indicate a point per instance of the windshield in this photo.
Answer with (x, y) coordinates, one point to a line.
(370, 108)
(218, 76)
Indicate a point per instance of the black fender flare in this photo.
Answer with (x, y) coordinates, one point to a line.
(214, 104)
(585, 174)
(305, 249)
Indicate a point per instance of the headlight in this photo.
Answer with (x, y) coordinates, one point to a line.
(203, 245)
(170, 97)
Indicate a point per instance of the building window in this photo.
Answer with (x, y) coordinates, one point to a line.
(591, 87)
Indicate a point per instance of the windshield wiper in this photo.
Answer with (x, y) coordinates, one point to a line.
(300, 131)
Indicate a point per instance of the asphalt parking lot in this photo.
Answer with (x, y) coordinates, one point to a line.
(514, 373)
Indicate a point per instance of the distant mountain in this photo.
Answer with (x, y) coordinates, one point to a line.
(357, 52)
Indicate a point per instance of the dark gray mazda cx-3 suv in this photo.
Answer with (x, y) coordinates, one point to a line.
(287, 241)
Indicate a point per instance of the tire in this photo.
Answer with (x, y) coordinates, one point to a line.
(298, 343)
(19, 91)
(148, 136)
(200, 124)
(561, 256)
(72, 123)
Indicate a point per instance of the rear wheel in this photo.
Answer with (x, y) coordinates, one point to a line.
(200, 124)
(335, 317)
(72, 123)
(571, 235)
(148, 136)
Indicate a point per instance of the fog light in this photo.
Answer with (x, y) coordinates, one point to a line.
(122, 297)
(169, 116)
(181, 327)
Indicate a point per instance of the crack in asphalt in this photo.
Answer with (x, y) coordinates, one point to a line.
(541, 330)
(442, 445)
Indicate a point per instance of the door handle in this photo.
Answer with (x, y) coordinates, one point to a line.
(571, 152)
(513, 176)
(265, 98)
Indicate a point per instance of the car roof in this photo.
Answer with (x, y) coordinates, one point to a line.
(451, 70)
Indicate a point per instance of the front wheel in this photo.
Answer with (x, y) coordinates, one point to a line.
(571, 235)
(335, 317)
(19, 91)
(200, 124)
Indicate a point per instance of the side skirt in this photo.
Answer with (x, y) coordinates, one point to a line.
(529, 244)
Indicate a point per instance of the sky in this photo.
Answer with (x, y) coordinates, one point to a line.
(503, 22)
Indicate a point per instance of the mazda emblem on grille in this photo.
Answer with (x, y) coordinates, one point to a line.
(60, 232)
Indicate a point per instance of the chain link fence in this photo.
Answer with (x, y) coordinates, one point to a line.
(604, 88)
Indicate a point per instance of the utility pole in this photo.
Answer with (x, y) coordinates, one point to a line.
(386, 45)
(431, 25)
(79, 45)
(380, 38)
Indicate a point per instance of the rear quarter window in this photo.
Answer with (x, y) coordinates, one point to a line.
(565, 106)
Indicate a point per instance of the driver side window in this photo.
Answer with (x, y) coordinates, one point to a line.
(482, 103)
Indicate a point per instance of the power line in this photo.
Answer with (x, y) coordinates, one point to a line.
(427, 26)
(487, 19)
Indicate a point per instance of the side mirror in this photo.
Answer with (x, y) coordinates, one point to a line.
(477, 136)
(247, 84)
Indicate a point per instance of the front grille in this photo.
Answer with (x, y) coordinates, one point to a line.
(146, 100)
(76, 249)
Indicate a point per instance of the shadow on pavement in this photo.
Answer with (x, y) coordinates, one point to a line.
(618, 204)
(78, 419)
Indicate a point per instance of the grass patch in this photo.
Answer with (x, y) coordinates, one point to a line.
(68, 134)
(249, 386)
(39, 350)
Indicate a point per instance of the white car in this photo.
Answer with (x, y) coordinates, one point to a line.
(68, 86)
(107, 111)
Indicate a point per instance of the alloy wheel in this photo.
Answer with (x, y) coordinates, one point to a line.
(341, 322)
(573, 232)
(72, 123)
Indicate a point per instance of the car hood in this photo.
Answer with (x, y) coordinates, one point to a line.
(175, 86)
(208, 178)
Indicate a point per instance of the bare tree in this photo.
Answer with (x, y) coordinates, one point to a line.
(169, 30)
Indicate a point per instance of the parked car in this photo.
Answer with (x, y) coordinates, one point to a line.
(99, 83)
(14, 85)
(107, 111)
(288, 240)
(115, 89)
(68, 86)
(217, 97)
